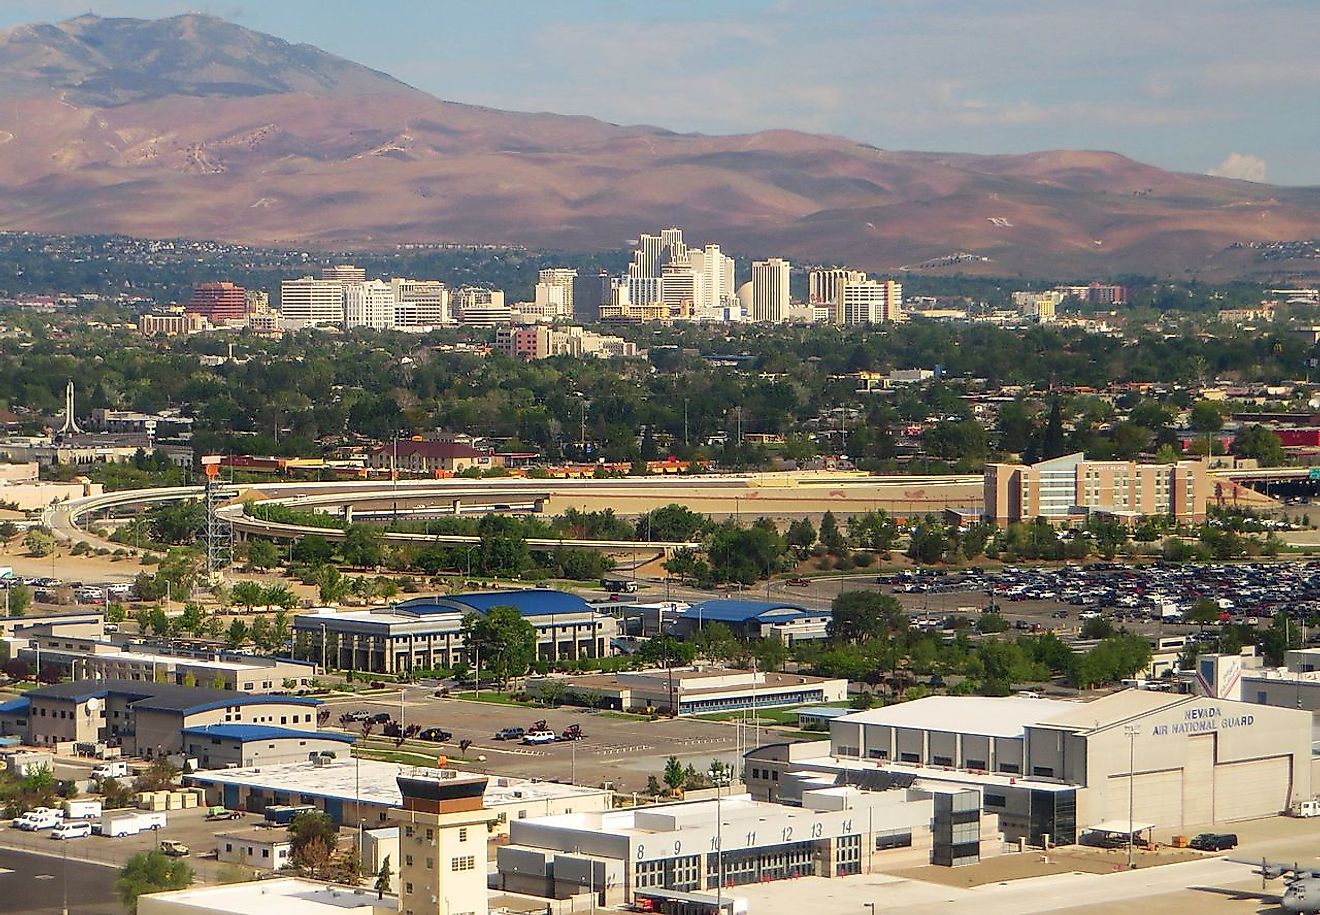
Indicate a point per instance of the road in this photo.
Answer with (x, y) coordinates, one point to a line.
(32, 883)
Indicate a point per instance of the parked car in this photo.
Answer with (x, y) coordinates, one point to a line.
(510, 734)
(437, 735)
(799, 582)
(536, 738)
(1214, 841)
(71, 829)
(174, 849)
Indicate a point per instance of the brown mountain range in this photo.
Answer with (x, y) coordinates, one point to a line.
(196, 127)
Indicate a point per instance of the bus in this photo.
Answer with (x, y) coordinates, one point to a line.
(619, 585)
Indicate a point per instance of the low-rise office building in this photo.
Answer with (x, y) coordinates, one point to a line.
(353, 791)
(702, 845)
(220, 746)
(1245, 677)
(755, 619)
(96, 659)
(1054, 768)
(426, 632)
(258, 847)
(143, 719)
(690, 690)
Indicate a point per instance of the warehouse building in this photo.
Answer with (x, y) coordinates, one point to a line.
(755, 619)
(353, 791)
(1056, 769)
(426, 632)
(704, 845)
(689, 690)
(219, 746)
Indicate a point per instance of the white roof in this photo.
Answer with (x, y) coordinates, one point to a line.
(1125, 827)
(288, 896)
(987, 717)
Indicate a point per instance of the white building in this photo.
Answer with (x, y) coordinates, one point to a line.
(713, 288)
(480, 307)
(420, 305)
(344, 273)
(654, 251)
(869, 302)
(307, 302)
(1057, 768)
(554, 287)
(1039, 306)
(286, 895)
(369, 304)
(770, 296)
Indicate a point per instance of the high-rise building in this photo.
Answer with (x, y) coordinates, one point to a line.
(443, 828)
(770, 296)
(562, 278)
(553, 300)
(369, 304)
(1039, 306)
(823, 284)
(481, 307)
(655, 251)
(590, 291)
(869, 302)
(309, 301)
(420, 305)
(679, 285)
(218, 302)
(713, 289)
(344, 273)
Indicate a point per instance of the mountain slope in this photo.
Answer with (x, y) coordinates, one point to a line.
(197, 127)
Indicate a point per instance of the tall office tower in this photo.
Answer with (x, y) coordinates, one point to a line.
(344, 273)
(714, 288)
(590, 291)
(481, 307)
(645, 290)
(823, 284)
(369, 304)
(679, 285)
(420, 304)
(256, 301)
(655, 251)
(443, 826)
(770, 295)
(869, 302)
(309, 301)
(218, 302)
(563, 278)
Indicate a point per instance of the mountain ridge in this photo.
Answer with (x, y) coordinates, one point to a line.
(194, 126)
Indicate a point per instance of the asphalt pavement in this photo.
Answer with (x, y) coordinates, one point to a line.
(47, 883)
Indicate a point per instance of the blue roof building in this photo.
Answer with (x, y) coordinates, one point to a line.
(756, 619)
(218, 746)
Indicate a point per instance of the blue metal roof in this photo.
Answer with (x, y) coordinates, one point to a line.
(528, 602)
(236, 698)
(16, 706)
(248, 732)
(724, 610)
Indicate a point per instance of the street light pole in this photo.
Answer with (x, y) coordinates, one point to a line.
(1130, 730)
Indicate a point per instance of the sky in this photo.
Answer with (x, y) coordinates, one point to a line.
(1205, 86)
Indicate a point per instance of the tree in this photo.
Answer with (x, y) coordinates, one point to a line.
(39, 541)
(503, 547)
(313, 550)
(247, 594)
(1257, 442)
(859, 616)
(150, 872)
(262, 554)
(801, 535)
(1098, 628)
(332, 586)
(280, 595)
(715, 642)
(671, 523)
(674, 776)
(1052, 443)
(237, 634)
(312, 840)
(1204, 612)
(383, 878)
(503, 642)
(20, 598)
(176, 522)
(364, 546)
(831, 537)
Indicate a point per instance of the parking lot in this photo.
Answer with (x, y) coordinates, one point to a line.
(619, 749)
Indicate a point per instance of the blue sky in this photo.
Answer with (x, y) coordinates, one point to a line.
(1214, 86)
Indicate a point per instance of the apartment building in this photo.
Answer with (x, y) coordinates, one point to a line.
(770, 293)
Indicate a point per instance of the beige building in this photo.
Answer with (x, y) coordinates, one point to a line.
(1039, 306)
(286, 895)
(770, 295)
(868, 302)
(692, 690)
(171, 324)
(1058, 768)
(442, 844)
(1070, 487)
(823, 284)
(257, 847)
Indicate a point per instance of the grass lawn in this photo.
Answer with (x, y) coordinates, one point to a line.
(489, 695)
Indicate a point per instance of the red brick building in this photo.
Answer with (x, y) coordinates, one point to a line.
(219, 302)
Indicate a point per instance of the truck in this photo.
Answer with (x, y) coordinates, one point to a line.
(1309, 808)
(129, 823)
(281, 815)
(619, 585)
(85, 809)
(110, 770)
(41, 818)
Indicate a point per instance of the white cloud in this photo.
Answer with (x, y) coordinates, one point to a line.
(1242, 166)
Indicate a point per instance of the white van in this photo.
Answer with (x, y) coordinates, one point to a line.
(41, 818)
(71, 830)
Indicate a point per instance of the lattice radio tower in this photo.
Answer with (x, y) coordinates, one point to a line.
(219, 533)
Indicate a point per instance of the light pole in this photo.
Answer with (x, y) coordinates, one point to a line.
(325, 641)
(1130, 731)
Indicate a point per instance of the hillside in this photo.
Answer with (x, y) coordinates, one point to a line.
(196, 127)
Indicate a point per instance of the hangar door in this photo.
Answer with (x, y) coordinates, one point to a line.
(1156, 797)
(1256, 787)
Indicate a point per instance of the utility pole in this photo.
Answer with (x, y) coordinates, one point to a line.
(685, 422)
(1130, 730)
